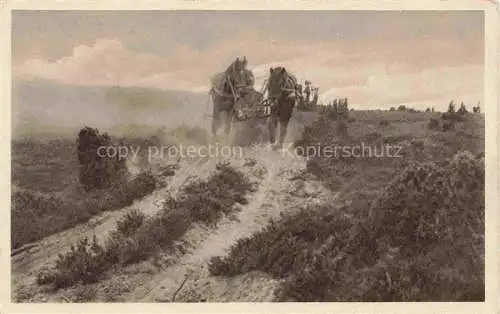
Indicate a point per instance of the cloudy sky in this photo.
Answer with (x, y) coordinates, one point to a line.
(376, 59)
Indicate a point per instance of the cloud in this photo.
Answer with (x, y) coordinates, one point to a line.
(107, 62)
(429, 87)
(368, 72)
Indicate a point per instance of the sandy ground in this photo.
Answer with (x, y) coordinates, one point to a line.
(182, 271)
(181, 274)
(27, 264)
(189, 278)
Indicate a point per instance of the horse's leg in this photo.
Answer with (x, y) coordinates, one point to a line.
(272, 124)
(229, 121)
(283, 132)
(215, 116)
(285, 114)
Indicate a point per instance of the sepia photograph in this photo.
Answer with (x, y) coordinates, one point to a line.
(221, 156)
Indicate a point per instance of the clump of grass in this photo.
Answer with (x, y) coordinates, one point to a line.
(80, 264)
(420, 239)
(129, 224)
(136, 238)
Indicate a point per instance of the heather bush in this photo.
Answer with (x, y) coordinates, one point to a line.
(286, 245)
(129, 224)
(421, 239)
(141, 185)
(97, 172)
(433, 214)
(54, 214)
(136, 237)
(79, 264)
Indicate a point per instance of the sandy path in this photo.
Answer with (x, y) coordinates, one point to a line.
(274, 196)
(26, 265)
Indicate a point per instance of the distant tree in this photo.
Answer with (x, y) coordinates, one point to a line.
(451, 107)
(392, 109)
(402, 108)
(476, 108)
(462, 109)
(428, 109)
(346, 105)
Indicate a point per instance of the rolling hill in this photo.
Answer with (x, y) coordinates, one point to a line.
(43, 108)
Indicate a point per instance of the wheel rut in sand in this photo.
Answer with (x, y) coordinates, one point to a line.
(275, 195)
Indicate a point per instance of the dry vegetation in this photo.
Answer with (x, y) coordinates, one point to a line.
(401, 229)
(41, 206)
(138, 237)
(410, 229)
(48, 194)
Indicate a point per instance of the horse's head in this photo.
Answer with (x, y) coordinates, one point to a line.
(240, 78)
(276, 81)
(238, 65)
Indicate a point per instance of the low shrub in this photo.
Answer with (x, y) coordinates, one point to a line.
(129, 223)
(140, 186)
(81, 263)
(36, 216)
(137, 238)
(421, 239)
(95, 171)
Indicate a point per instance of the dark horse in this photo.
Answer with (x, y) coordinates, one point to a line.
(282, 92)
(227, 88)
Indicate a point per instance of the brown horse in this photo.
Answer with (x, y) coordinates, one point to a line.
(227, 88)
(282, 92)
